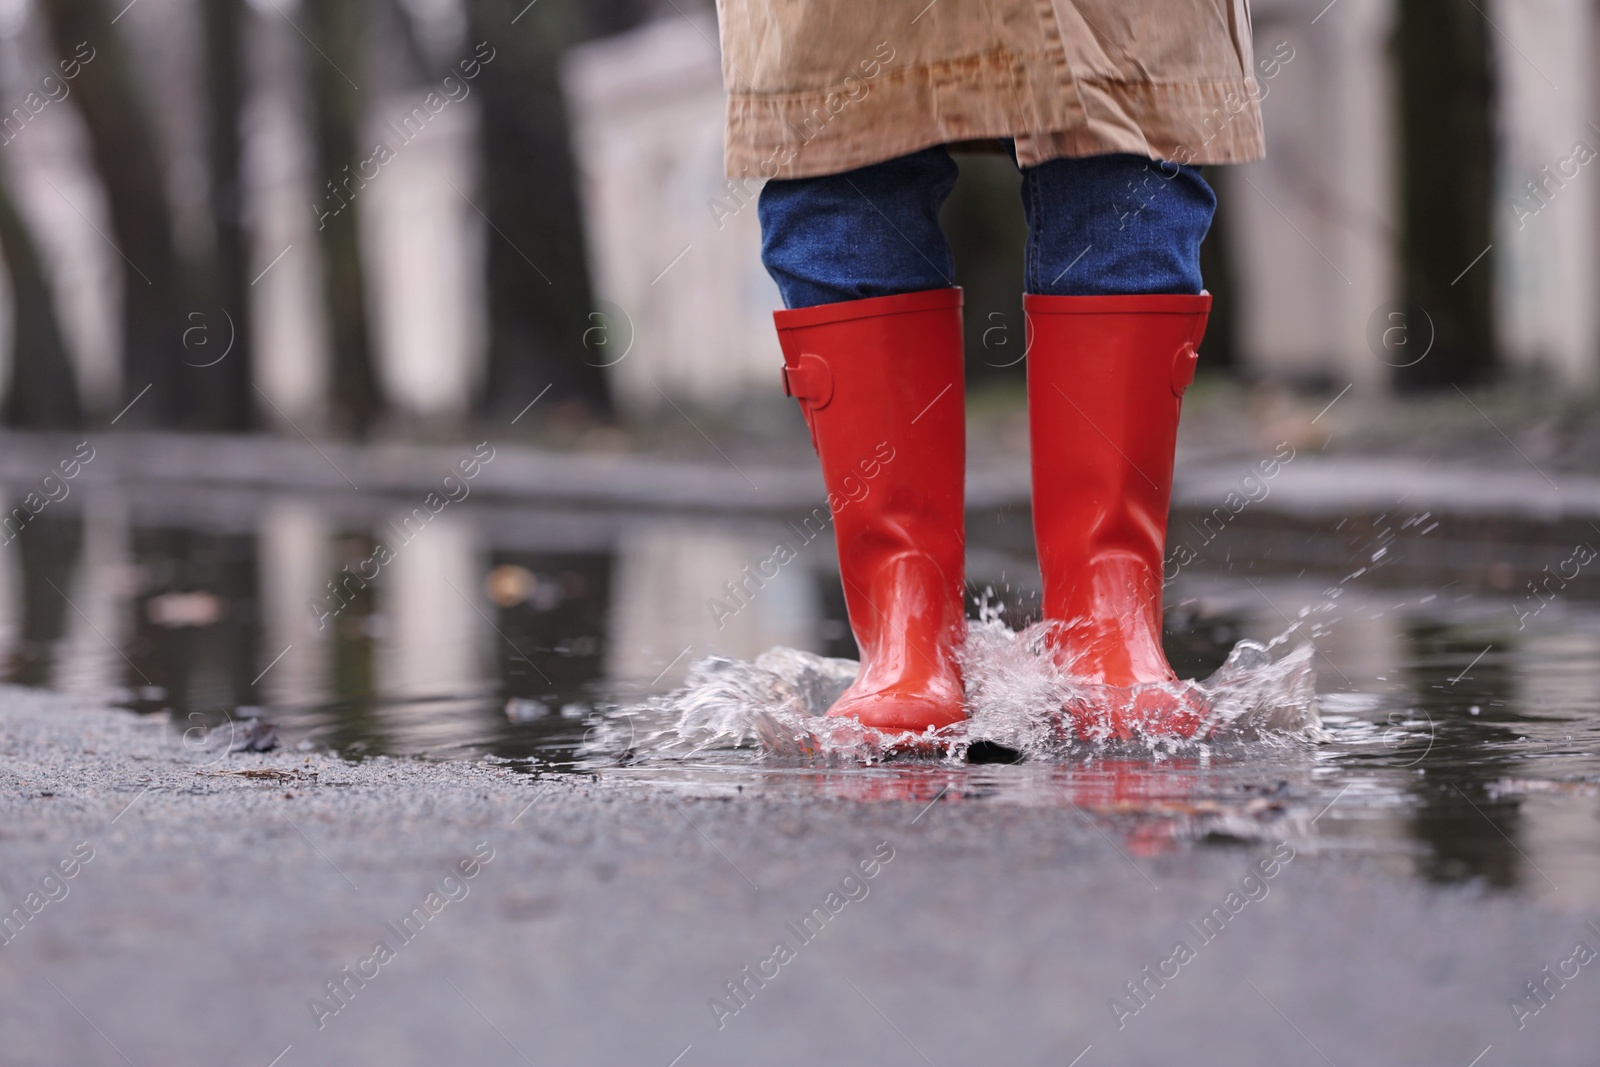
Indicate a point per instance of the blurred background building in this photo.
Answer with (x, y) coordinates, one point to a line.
(402, 215)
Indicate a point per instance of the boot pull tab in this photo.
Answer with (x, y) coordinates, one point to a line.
(809, 381)
(1183, 365)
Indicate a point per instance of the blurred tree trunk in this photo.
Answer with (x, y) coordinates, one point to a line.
(127, 153)
(1219, 349)
(987, 236)
(539, 298)
(44, 388)
(1447, 179)
(220, 396)
(333, 28)
(603, 17)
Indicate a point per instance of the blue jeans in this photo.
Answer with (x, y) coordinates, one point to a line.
(1098, 226)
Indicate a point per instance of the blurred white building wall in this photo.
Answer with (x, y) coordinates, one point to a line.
(1314, 223)
(1546, 243)
(424, 256)
(289, 321)
(678, 278)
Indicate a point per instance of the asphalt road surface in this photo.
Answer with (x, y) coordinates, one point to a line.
(179, 907)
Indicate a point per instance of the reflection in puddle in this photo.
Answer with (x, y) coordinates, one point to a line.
(1453, 743)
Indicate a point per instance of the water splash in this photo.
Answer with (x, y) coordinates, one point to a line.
(773, 708)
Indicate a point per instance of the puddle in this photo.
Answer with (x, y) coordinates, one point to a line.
(773, 710)
(1453, 734)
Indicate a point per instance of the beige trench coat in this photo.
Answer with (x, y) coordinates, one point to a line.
(821, 86)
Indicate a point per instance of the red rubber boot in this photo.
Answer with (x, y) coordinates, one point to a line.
(1106, 377)
(880, 382)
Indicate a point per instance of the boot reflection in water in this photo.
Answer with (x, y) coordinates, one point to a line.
(872, 351)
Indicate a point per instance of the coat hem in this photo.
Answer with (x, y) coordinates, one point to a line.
(808, 134)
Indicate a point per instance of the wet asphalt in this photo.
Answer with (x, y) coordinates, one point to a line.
(171, 905)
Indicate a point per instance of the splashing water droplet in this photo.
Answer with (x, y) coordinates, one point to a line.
(774, 707)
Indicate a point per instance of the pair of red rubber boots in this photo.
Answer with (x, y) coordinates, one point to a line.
(880, 382)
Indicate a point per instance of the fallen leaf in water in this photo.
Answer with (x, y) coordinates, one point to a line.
(265, 774)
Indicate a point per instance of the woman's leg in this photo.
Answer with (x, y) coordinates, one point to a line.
(1115, 313)
(1114, 226)
(872, 350)
(864, 233)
